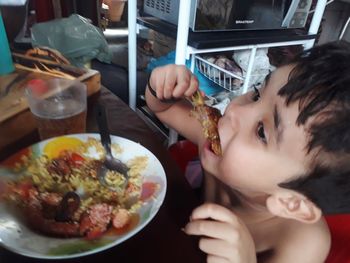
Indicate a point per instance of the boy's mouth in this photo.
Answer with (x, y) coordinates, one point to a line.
(208, 146)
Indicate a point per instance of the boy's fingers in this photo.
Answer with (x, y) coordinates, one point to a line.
(215, 212)
(216, 259)
(169, 84)
(216, 248)
(193, 86)
(173, 82)
(182, 85)
(213, 229)
(155, 82)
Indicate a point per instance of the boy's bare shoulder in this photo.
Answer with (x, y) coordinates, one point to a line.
(300, 242)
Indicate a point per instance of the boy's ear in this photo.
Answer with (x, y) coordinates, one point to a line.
(290, 204)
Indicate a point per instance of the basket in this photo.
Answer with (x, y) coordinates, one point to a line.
(218, 75)
(224, 78)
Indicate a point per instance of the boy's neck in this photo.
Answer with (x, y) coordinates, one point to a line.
(253, 209)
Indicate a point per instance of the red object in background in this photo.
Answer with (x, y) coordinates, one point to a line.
(43, 10)
(339, 226)
(67, 7)
(183, 152)
(38, 86)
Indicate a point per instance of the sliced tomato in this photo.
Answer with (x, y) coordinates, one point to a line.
(88, 229)
(77, 159)
(85, 224)
(148, 190)
(94, 233)
(17, 158)
(24, 189)
(72, 158)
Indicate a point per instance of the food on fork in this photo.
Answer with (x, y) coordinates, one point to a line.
(208, 117)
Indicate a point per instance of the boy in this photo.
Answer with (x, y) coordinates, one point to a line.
(285, 158)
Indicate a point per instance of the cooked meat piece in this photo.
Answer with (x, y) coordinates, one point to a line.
(67, 207)
(50, 203)
(50, 227)
(59, 166)
(208, 117)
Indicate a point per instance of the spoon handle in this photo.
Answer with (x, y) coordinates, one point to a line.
(101, 116)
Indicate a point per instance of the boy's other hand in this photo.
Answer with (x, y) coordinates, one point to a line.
(225, 236)
(173, 82)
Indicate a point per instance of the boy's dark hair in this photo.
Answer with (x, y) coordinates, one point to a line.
(320, 82)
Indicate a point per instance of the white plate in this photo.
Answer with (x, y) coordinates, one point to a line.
(17, 237)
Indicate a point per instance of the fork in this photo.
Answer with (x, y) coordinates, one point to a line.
(110, 163)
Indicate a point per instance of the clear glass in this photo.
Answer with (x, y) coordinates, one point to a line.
(58, 105)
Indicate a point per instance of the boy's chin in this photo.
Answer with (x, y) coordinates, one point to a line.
(209, 159)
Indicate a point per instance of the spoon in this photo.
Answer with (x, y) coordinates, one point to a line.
(110, 163)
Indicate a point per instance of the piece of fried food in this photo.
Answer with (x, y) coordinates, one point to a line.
(208, 117)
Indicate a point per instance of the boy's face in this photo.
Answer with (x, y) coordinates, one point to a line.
(261, 143)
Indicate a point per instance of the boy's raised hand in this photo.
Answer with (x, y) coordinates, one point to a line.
(173, 82)
(225, 236)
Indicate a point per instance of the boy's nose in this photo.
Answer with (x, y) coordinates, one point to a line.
(240, 115)
(233, 113)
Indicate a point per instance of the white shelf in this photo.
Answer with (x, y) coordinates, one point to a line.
(185, 51)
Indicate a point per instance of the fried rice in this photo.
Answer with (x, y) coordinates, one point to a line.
(62, 176)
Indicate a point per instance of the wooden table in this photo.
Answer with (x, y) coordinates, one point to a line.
(162, 239)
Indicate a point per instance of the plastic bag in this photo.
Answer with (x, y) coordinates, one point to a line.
(75, 37)
(261, 66)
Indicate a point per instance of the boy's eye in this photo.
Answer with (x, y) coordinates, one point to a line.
(261, 132)
(256, 94)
